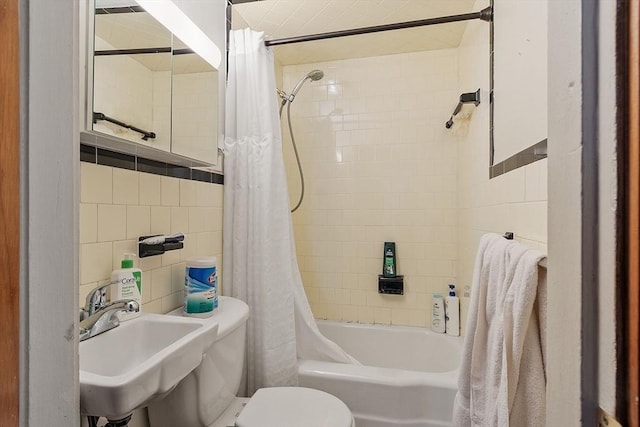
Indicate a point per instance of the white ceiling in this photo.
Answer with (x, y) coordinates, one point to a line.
(288, 18)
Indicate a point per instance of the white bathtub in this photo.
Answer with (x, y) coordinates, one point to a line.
(408, 377)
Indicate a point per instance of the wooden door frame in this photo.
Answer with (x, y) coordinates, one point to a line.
(9, 213)
(632, 196)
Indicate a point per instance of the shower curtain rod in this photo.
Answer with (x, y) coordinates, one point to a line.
(485, 15)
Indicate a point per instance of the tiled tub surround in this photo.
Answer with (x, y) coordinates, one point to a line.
(379, 166)
(118, 205)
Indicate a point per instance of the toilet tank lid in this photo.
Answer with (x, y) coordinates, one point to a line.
(294, 407)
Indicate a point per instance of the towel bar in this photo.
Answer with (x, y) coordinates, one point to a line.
(510, 236)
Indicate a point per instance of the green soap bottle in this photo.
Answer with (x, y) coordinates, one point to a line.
(389, 257)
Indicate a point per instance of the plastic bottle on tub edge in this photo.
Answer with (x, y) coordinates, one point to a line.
(452, 312)
(437, 316)
(200, 287)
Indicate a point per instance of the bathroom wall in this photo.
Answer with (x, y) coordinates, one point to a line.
(379, 166)
(515, 201)
(118, 205)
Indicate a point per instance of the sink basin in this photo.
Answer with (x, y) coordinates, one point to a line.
(144, 358)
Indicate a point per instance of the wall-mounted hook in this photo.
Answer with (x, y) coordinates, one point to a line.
(465, 98)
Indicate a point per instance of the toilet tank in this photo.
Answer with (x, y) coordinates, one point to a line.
(204, 394)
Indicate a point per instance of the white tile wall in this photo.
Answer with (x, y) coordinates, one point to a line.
(379, 166)
(117, 206)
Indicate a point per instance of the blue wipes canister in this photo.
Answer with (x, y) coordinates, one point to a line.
(200, 287)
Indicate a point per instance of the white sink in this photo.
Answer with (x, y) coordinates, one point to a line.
(126, 367)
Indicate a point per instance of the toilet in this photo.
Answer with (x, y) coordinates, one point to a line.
(207, 396)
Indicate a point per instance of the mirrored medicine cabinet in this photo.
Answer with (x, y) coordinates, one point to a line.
(147, 91)
(518, 79)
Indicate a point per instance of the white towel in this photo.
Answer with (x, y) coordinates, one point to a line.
(502, 379)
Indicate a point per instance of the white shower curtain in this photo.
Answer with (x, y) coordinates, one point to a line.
(260, 265)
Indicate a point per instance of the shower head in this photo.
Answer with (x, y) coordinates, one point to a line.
(314, 75)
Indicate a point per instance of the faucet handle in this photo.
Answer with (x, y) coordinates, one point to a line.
(96, 298)
(131, 306)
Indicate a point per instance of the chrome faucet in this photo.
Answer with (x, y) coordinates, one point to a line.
(98, 316)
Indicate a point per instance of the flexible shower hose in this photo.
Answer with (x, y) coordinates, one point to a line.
(295, 150)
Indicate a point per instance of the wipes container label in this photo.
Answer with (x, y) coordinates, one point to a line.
(200, 290)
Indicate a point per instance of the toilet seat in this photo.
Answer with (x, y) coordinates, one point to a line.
(294, 407)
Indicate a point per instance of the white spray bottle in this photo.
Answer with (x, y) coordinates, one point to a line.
(437, 314)
(452, 312)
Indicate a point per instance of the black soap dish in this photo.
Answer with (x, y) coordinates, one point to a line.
(391, 285)
(150, 249)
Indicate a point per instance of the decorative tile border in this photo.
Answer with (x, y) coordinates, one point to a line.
(528, 155)
(124, 9)
(101, 156)
(118, 160)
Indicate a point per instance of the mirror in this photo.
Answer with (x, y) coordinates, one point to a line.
(519, 83)
(132, 78)
(149, 87)
(193, 115)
